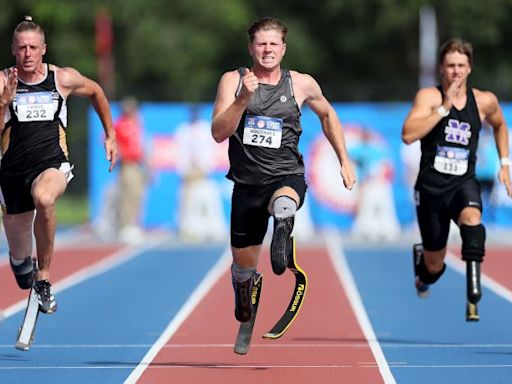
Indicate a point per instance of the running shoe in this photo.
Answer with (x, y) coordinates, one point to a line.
(47, 303)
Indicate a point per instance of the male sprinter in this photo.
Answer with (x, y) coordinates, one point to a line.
(258, 110)
(447, 119)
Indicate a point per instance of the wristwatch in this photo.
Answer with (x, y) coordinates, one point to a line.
(505, 161)
(443, 111)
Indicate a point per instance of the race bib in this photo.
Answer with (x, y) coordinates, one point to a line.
(262, 131)
(451, 160)
(35, 106)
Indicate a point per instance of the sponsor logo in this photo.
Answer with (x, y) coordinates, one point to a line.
(254, 295)
(298, 297)
(283, 99)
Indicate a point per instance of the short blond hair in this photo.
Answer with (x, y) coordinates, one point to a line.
(28, 25)
(267, 24)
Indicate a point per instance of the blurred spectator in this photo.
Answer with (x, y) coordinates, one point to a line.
(376, 218)
(131, 184)
(201, 214)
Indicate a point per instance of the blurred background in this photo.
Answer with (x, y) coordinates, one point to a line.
(370, 57)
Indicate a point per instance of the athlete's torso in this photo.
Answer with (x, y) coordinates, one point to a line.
(264, 147)
(34, 132)
(448, 152)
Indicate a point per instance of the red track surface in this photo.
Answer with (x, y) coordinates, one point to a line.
(498, 266)
(324, 345)
(66, 261)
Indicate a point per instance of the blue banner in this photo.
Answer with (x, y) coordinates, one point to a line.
(381, 202)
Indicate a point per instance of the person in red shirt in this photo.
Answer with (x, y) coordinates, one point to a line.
(129, 133)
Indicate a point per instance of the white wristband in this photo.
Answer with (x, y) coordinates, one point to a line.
(505, 161)
(443, 111)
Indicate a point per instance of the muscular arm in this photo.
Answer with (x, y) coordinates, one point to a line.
(308, 89)
(494, 116)
(423, 115)
(228, 108)
(8, 84)
(71, 82)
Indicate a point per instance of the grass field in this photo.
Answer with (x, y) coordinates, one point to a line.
(72, 210)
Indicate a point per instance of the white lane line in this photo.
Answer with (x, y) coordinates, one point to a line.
(195, 298)
(183, 366)
(335, 251)
(122, 256)
(63, 239)
(459, 265)
(266, 346)
(234, 366)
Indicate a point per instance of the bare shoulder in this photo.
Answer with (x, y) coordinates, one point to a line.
(302, 80)
(230, 77)
(306, 88)
(67, 76)
(429, 94)
(485, 99)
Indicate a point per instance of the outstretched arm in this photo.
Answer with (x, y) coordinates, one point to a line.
(71, 82)
(312, 95)
(8, 84)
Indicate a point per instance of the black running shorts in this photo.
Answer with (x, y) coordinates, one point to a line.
(435, 212)
(249, 209)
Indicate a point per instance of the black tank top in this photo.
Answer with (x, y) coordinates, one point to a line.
(34, 133)
(448, 152)
(264, 147)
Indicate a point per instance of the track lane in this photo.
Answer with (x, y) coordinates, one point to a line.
(325, 344)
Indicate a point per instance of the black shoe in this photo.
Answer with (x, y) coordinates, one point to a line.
(24, 273)
(243, 305)
(281, 245)
(47, 303)
(422, 289)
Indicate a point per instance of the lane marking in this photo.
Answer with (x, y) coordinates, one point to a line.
(193, 366)
(171, 366)
(120, 257)
(459, 265)
(265, 346)
(338, 259)
(195, 298)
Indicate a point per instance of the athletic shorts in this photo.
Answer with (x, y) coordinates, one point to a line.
(249, 209)
(16, 190)
(435, 212)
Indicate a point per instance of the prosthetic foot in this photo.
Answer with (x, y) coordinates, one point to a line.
(474, 292)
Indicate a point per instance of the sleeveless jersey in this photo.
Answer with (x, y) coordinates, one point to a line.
(34, 134)
(264, 147)
(448, 152)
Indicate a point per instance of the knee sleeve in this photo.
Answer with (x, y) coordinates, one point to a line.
(241, 274)
(473, 242)
(284, 207)
(426, 276)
